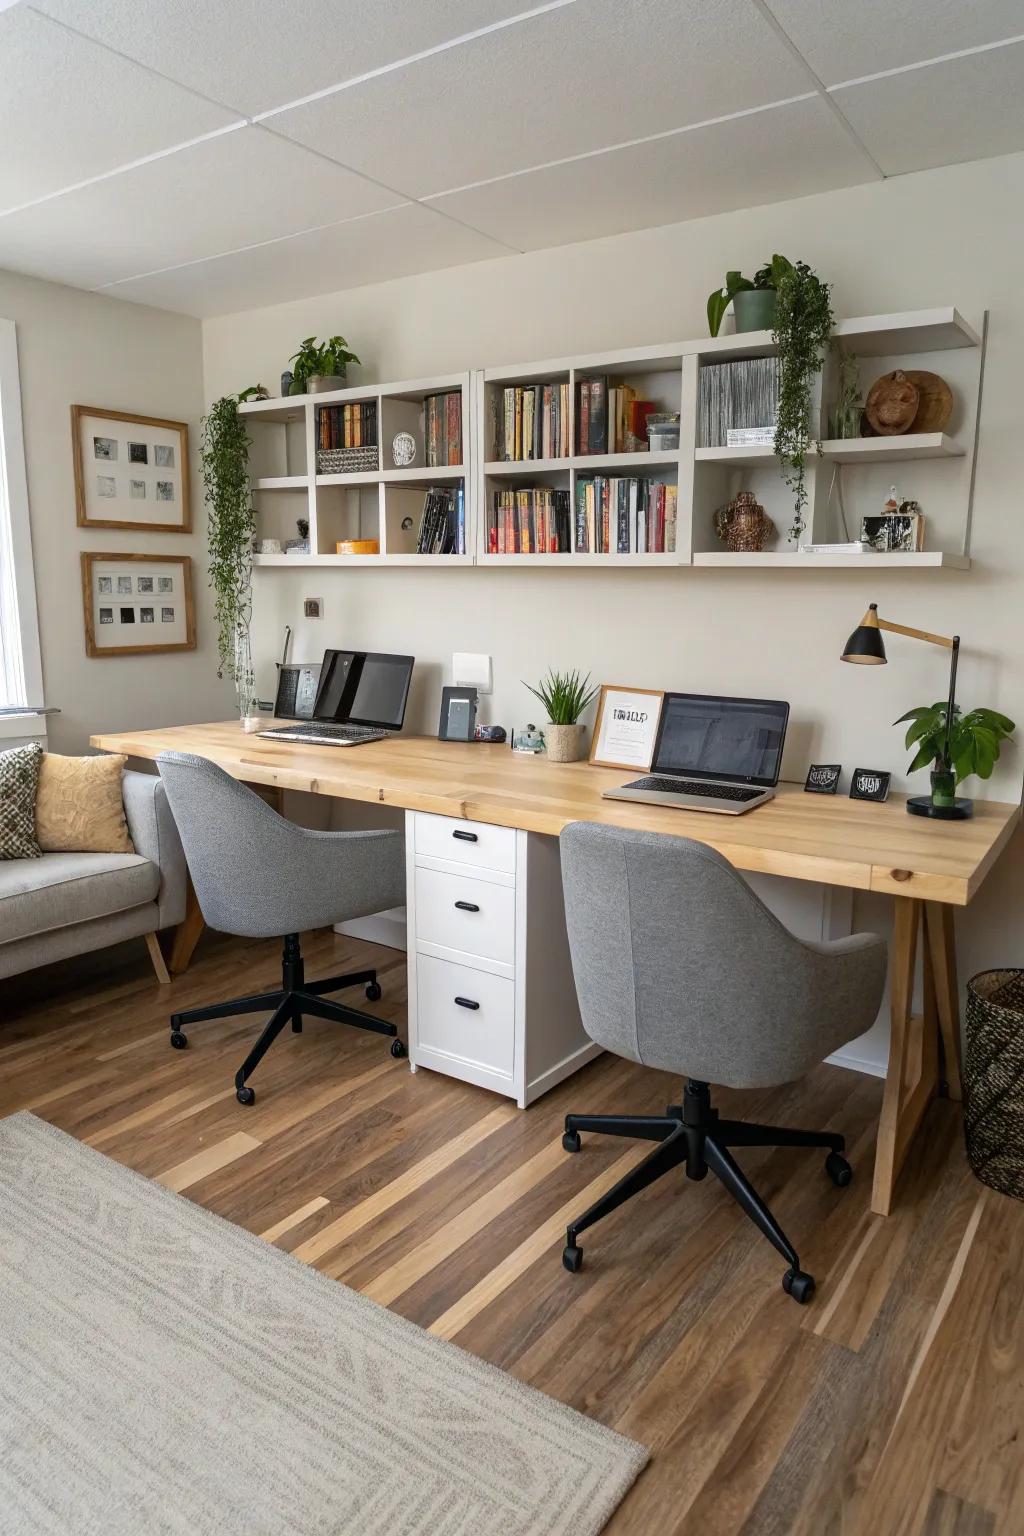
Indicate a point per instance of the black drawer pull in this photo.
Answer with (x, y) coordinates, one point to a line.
(467, 1002)
(467, 906)
(466, 837)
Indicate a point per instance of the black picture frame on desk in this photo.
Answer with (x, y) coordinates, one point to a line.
(458, 714)
(823, 778)
(870, 784)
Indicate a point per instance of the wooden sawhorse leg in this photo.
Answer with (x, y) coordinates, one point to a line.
(924, 1048)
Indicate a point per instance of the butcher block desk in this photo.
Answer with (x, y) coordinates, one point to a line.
(927, 868)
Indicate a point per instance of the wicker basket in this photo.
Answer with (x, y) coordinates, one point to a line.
(994, 1080)
(347, 461)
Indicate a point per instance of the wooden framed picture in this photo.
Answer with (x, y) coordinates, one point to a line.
(130, 471)
(626, 727)
(137, 604)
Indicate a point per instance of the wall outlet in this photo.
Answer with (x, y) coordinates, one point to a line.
(313, 608)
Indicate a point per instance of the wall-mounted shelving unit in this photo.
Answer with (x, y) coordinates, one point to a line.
(383, 504)
(935, 468)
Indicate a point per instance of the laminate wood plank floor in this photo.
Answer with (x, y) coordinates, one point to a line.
(892, 1406)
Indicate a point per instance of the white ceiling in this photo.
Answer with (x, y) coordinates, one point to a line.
(219, 155)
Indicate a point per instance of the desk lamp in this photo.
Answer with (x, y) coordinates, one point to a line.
(866, 647)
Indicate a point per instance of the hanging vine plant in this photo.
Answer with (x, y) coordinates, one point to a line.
(230, 527)
(803, 326)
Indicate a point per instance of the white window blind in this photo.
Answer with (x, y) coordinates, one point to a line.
(20, 673)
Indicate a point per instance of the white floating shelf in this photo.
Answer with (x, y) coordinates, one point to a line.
(599, 463)
(303, 562)
(746, 453)
(926, 559)
(365, 477)
(282, 483)
(582, 561)
(292, 408)
(525, 467)
(877, 450)
(914, 330)
(419, 475)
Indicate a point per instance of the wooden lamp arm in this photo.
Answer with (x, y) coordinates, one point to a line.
(949, 641)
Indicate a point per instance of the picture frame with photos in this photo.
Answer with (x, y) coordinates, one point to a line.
(130, 471)
(137, 604)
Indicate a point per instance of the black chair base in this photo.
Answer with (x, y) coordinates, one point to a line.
(692, 1136)
(296, 998)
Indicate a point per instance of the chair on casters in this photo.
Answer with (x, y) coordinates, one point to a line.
(259, 876)
(679, 966)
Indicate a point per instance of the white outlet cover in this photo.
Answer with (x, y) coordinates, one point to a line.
(471, 670)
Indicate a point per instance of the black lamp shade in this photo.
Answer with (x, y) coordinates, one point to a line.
(866, 645)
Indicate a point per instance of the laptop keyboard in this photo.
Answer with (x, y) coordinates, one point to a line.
(325, 731)
(696, 787)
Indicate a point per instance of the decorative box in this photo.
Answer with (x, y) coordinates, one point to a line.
(347, 461)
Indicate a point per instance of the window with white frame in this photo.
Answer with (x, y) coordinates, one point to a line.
(20, 672)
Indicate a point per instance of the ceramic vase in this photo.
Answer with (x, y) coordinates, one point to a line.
(565, 743)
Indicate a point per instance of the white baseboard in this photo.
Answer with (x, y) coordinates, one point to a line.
(379, 928)
(857, 1063)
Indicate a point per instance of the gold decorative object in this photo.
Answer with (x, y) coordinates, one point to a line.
(743, 525)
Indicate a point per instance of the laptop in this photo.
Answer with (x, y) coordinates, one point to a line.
(713, 754)
(360, 697)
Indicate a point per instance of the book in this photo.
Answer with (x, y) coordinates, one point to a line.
(353, 425)
(625, 515)
(530, 520)
(442, 428)
(442, 528)
(740, 394)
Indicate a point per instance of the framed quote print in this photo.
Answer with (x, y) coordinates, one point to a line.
(137, 604)
(130, 471)
(626, 727)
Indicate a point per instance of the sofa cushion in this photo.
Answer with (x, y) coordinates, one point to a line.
(79, 807)
(19, 778)
(38, 895)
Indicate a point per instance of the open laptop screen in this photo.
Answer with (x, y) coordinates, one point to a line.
(364, 688)
(738, 740)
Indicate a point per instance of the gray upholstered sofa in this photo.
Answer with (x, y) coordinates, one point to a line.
(67, 903)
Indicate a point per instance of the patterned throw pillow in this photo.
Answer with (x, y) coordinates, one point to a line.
(19, 780)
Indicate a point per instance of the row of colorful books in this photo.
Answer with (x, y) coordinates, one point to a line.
(533, 424)
(442, 529)
(629, 516)
(347, 426)
(531, 520)
(610, 417)
(442, 428)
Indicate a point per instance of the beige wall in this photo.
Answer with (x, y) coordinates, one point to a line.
(82, 348)
(948, 236)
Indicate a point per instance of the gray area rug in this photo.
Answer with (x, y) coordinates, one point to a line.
(164, 1371)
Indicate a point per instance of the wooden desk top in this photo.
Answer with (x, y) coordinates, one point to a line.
(837, 841)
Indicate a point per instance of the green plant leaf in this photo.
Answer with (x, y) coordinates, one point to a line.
(920, 729)
(718, 303)
(923, 757)
(914, 714)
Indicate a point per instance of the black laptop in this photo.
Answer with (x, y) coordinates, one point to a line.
(361, 696)
(713, 754)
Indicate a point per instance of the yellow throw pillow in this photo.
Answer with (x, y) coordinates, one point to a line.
(79, 807)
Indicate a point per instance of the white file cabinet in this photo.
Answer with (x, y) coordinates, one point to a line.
(491, 993)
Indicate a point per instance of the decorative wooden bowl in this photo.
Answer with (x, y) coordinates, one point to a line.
(892, 404)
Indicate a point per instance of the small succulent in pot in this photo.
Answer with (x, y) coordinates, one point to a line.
(565, 696)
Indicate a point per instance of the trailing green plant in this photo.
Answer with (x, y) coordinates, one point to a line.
(974, 739)
(320, 357)
(565, 695)
(231, 524)
(803, 327)
(254, 392)
(768, 276)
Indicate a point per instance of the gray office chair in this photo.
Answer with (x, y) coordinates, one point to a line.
(261, 877)
(679, 966)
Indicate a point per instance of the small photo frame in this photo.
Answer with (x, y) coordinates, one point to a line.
(527, 738)
(626, 727)
(870, 784)
(823, 778)
(120, 609)
(130, 471)
(458, 714)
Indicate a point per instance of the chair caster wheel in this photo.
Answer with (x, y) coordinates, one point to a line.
(572, 1258)
(571, 1142)
(245, 1095)
(838, 1169)
(798, 1285)
(178, 1039)
(374, 992)
(397, 1048)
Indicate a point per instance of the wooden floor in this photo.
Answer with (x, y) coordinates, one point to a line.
(892, 1406)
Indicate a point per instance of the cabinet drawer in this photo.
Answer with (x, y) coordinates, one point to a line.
(467, 842)
(459, 912)
(484, 1034)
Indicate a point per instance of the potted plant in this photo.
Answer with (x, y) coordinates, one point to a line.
(231, 523)
(972, 746)
(802, 333)
(320, 365)
(753, 300)
(565, 695)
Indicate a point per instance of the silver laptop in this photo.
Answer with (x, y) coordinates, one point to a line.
(713, 754)
(361, 697)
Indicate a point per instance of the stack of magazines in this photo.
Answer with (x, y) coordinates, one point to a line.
(442, 529)
(738, 402)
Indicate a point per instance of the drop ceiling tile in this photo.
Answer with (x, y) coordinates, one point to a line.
(228, 192)
(397, 243)
(967, 109)
(763, 158)
(254, 55)
(588, 75)
(843, 41)
(70, 110)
